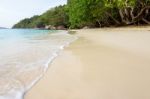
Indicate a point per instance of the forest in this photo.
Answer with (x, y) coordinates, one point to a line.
(92, 13)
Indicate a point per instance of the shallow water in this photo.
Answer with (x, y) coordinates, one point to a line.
(24, 57)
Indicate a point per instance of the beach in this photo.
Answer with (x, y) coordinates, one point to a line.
(109, 63)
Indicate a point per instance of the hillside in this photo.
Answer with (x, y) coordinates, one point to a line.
(2, 28)
(54, 17)
(92, 13)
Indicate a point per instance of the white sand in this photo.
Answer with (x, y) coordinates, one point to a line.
(101, 64)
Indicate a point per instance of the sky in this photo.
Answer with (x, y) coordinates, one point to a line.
(12, 11)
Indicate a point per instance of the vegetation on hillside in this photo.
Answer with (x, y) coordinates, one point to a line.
(55, 17)
(93, 13)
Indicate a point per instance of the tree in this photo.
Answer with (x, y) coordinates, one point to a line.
(93, 13)
(55, 16)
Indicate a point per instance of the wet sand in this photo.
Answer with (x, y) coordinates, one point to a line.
(101, 64)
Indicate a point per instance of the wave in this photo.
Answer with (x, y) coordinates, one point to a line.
(23, 68)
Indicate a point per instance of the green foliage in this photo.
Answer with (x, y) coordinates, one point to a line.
(55, 16)
(87, 12)
(92, 13)
(26, 23)
(108, 12)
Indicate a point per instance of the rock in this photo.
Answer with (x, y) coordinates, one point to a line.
(61, 27)
(47, 26)
(50, 27)
(86, 27)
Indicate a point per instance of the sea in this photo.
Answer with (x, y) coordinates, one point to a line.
(25, 55)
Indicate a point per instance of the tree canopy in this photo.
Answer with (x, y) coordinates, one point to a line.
(92, 13)
(55, 16)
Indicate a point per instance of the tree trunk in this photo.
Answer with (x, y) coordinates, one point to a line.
(141, 12)
(124, 18)
(115, 20)
(99, 23)
(131, 13)
(146, 21)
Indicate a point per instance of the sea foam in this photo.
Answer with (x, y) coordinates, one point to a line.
(25, 57)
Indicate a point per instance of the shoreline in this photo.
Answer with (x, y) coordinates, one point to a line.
(102, 63)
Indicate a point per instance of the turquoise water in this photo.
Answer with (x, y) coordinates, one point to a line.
(8, 36)
(19, 34)
(12, 37)
(24, 57)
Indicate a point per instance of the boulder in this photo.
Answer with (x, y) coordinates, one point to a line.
(86, 27)
(61, 27)
(50, 27)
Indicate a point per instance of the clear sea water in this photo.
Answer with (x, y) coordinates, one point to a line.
(24, 58)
